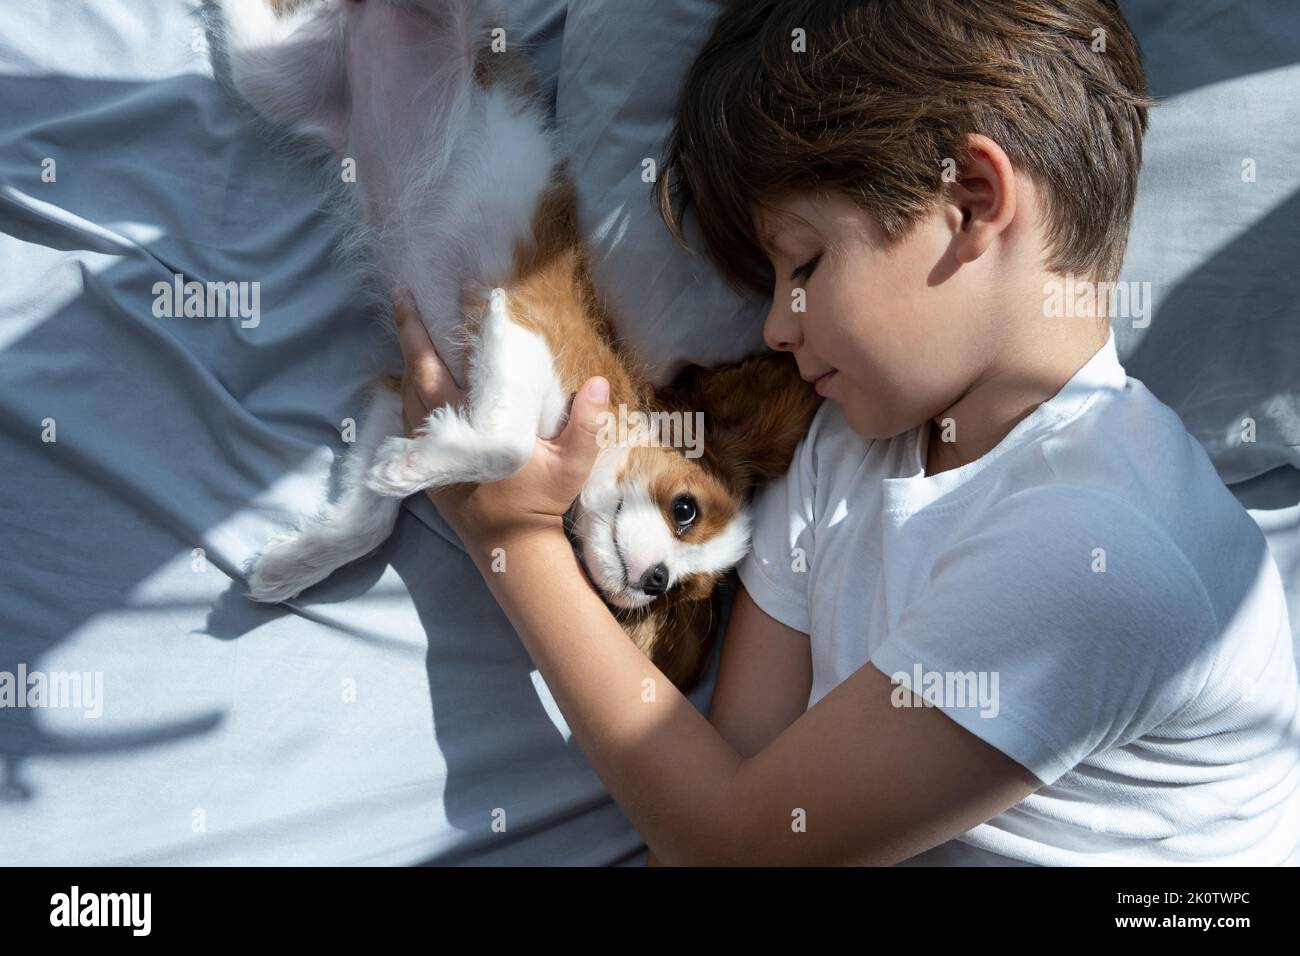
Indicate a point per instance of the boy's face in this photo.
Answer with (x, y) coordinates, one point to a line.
(902, 329)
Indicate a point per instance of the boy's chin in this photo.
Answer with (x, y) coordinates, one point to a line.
(869, 423)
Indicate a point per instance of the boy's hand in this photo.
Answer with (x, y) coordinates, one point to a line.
(534, 499)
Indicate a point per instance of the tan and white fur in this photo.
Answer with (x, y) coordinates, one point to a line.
(462, 195)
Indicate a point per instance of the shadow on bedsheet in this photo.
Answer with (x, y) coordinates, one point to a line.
(167, 428)
(136, 402)
(1190, 45)
(1191, 356)
(90, 517)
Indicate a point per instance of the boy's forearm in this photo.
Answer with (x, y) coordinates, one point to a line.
(668, 768)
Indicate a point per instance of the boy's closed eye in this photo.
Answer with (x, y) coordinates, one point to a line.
(778, 256)
(805, 271)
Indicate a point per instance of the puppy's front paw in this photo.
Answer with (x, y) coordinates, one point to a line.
(399, 469)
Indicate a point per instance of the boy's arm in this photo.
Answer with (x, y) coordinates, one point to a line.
(868, 782)
(764, 679)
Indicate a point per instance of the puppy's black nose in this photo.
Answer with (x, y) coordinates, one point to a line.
(655, 581)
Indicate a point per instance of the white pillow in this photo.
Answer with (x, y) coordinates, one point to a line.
(621, 70)
(1219, 250)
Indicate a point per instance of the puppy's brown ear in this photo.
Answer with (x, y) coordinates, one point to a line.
(755, 413)
(677, 635)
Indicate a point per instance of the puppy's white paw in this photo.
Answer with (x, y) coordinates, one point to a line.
(280, 572)
(399, 469)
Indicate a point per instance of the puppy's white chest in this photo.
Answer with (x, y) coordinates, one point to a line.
(506, 176)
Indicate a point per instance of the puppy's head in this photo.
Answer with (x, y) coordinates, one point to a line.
(653, 523)
(664, 515)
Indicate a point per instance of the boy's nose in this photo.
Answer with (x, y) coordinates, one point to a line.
(781, 329)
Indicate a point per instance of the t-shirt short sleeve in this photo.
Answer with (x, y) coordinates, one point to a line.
(775, 571)
(1066, 625)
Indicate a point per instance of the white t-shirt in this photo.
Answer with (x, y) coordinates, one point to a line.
(1109, 610)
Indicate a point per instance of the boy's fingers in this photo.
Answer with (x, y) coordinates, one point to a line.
(579, 442)
(424, 368)
(414, 410)
(404, 306)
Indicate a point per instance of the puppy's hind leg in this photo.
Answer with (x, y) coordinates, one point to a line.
(344, 530)
(515, 395)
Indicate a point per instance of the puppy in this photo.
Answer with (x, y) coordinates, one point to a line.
(461, 193)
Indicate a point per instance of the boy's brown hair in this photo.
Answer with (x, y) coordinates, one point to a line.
(885, 92)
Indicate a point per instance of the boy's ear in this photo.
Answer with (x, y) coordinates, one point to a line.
(755, 414)
(986, 194)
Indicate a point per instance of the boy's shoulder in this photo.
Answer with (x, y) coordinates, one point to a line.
(1128, 467)
(1104, 432)
(1103, 478)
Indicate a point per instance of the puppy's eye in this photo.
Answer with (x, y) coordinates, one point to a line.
(684, 512)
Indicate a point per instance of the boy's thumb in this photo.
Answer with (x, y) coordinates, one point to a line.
(586, 420)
